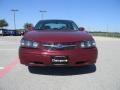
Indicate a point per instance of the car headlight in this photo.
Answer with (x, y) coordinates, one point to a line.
(29, 44)
(87, 44)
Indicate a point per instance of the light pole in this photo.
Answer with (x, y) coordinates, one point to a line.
(14, 12)
(42, 14)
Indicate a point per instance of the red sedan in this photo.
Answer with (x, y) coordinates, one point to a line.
(57, 43)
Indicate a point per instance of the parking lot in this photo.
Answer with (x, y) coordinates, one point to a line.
(104, 75)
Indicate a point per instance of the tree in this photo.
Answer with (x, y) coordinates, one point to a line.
(3, 23)
(28, 26)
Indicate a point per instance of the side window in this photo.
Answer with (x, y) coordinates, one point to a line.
(74, 26)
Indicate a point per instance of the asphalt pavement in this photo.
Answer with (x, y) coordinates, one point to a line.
(104, 75)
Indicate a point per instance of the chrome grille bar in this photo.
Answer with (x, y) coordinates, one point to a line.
(59, 46)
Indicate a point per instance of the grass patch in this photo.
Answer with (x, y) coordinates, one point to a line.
(106, 34)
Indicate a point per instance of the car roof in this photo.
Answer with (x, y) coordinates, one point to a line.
(55, 20)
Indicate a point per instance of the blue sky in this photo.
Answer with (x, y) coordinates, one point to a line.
(94, 15)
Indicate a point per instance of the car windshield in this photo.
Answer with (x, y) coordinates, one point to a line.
(56, 25)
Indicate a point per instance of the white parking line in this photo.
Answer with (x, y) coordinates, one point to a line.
(1, 68)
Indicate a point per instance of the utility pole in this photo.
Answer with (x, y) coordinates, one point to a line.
(14, 13)
(42, 14)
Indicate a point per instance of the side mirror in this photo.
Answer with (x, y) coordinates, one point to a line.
(81, 29)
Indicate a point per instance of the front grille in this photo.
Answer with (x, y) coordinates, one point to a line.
(59, 46)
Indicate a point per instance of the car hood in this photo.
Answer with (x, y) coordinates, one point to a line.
(57, 36)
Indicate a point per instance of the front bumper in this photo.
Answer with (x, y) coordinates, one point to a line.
(37, 57)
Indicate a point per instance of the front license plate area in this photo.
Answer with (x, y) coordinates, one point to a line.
(59, 60)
